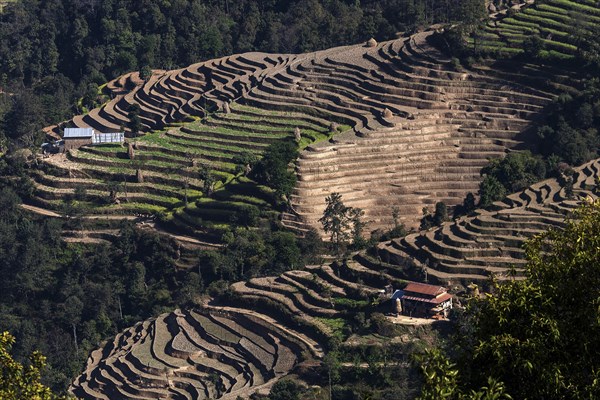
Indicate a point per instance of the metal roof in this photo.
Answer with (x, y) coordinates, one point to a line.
(397, 294)
(435, 300)
(423, 288)
(78, 133)
(110, 137)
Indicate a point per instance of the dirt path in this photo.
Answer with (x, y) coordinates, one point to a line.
(41, 211)
(49, 213)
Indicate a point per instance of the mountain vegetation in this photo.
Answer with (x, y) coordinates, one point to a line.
(533, 338)
(227, 172)
(19, 381)
(56, 52)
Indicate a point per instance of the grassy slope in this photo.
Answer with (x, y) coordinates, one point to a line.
(170, 161)
(554, 21)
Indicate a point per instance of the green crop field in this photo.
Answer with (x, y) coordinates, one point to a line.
(558, 23)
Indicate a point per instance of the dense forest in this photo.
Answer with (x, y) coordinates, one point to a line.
(55, 52)
(64, 299)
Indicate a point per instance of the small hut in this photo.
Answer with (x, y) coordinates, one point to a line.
(422, 300)
(76, 137)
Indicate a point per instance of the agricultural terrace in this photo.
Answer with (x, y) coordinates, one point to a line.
(393, 124)
(552, 29)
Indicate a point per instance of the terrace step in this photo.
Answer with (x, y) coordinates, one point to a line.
(141, 367)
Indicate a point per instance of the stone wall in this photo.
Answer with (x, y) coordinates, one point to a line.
(76, 143)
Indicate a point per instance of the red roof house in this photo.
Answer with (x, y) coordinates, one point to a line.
(423, 300)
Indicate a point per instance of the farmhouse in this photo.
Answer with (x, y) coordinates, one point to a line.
(77, 137)
(422, 300)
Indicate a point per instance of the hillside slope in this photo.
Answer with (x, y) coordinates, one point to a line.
(266, 326)
(490, 242)
(191, 355)
(421, 128)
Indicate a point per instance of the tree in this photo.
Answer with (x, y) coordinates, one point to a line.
(113, 188)
(273, 169)
(466, 207)
(355, 215)
(286, 253)
(533, 46)
(336, 221)
(398, 230)
(332, 364)
(436, 219)
(516, 171)
(244, 162)
(208, 179)
(135, 123)
(311, 246)
(24, 119)
(18, 381)
(286, 389)
(490, 190)
(145, 73)
(553, 316)
(441, 213)
(441, 378)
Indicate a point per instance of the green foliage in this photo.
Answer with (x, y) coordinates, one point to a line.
(273, 169)
(550, 320)
(208, 178)
(437, 218)
(135, 123)
(286, 389)
(442, 381)
(571, 129)
(244, 162)
(468, 205)
(537, 336)
(51, 290)
(512, 173)
(342, 223)
(145, 72)
(58, 52)
(533, 46)
(255, 252)
(490, 190)
(19, 381)
(441, 376)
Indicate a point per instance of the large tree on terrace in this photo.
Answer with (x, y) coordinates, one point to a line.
(336, 221)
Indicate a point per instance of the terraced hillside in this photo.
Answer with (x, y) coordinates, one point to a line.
(420, 132)
(472, 248)
(318, 298)
(560, 24)
(192, 355)
(164, 172)
(243, 345)
(240, 346)
(441, 127)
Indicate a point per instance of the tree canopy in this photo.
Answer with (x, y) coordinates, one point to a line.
(510, 174)
(273, 168)
(18, 381)
(537, 338)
